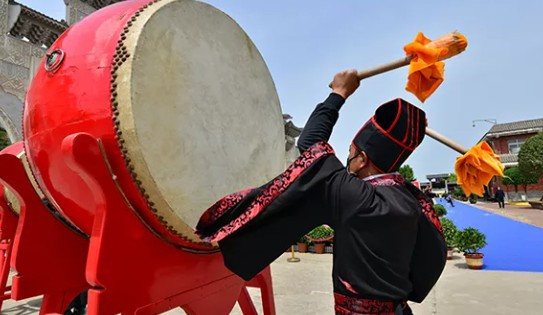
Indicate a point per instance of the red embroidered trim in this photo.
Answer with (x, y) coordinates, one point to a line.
(346, 305)
(278, 186)
(387, 180)
(348, 286)
(429, 212)
(218, 208)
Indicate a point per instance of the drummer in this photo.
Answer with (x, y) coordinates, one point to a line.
(388, 245)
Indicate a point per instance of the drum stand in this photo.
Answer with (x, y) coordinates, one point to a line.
(48, 257)
(129, 269)
(8, 224)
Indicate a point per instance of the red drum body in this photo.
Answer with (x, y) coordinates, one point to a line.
(181, 100)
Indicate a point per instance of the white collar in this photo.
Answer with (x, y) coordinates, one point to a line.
(378, 175)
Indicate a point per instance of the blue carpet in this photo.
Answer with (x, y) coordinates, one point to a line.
(512, 245)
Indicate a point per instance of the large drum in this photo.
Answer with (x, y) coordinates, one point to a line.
(180, 97)
(17, 150)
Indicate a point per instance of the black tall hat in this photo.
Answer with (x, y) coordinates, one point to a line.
(392, 134)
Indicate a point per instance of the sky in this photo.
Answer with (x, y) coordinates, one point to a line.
(305, 42)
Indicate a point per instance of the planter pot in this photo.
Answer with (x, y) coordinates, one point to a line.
(450, 251)
(302, 247)
(474, 261)
(319, 248)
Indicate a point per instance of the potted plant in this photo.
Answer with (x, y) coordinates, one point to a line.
(440, 210)
(470, 241)
(319, 236)
(449, 231)
(302, 244)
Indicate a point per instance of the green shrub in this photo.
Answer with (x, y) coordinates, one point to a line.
(304, 239)
(440, 210)
(473, 199)
(321, 234)
(449, 231)
(470, 240)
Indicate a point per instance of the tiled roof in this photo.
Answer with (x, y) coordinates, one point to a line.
(38, 28)
(509, 158)
(58, 25)
(98, 4)
(534, 124)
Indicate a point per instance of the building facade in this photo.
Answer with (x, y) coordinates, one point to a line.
(25, 35)
(506, 140)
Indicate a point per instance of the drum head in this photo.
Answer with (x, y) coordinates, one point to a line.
(197, 111)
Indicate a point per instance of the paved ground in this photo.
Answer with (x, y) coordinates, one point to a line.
(524, 214)
(306, 287)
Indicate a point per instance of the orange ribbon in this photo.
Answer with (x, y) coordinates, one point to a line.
(476, 168)
(426, 72)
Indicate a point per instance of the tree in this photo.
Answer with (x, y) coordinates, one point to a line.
(407, 173)
(530, 158)
(515, 177)
(452, 177)
(512, 177)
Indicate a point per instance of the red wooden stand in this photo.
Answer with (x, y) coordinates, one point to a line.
(8, 224)
(132, 271)
(48, 257)
(128, 268)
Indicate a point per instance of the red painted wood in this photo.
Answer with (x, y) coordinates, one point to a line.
(131, 269)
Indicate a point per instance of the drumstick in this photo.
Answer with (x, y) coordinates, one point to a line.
(446, 141)
(454, 42)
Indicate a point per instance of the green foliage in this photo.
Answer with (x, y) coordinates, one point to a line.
(304, 239)
(407, 172)
(452, 178)
(473, 198)
(4, 139)
(470, 240)
(530, 157)
(514, 176)
(449, 230)
(440, 210)
(321, 234)
(458, 193)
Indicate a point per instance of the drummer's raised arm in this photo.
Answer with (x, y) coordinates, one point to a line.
(320, 124)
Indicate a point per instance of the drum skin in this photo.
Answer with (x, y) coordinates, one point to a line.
(80, 96)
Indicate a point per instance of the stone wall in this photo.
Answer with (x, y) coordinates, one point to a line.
(19, 61)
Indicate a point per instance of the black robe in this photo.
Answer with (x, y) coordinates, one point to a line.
(388, 243)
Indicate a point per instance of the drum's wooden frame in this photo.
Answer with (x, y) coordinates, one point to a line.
(132, 273)
(8, 224)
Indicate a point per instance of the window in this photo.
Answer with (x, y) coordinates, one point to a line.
(514, 145)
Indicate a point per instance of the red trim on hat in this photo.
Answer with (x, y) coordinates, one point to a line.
(369, 160)
(397, 115)
(395, 162)
(359, 131)
(407, 125)
(389, 136)
(417, 127)
(412, 128)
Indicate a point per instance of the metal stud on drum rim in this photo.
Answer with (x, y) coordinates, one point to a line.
(258, 125)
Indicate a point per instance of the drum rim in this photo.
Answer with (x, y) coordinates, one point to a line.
(182, 235)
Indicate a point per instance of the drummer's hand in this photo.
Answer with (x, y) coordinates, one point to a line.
(345, 83)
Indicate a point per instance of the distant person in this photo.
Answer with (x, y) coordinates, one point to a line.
(500, 196)
(449, 200)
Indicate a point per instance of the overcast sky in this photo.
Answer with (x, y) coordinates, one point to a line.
(305, 42)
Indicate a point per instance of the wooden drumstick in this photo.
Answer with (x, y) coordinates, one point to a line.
(454, 42)
(446, 141)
